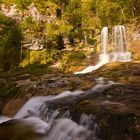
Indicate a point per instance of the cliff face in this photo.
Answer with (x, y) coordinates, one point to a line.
(134, 38)
(29, 20)
(35, 25)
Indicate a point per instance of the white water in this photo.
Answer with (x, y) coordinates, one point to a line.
(103, 57)
(4, 119)
(68, 93)
(52, 124)
(66, 129)
(120, 45)
(37, 124)
(120, 50)
(89, 69)
(52, 128)
(31, 107)
(104, 40)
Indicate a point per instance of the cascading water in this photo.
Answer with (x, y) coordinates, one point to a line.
(46, 123)
(119, 44)
(50, 118)
(103, 57)
(58, 118)
(104, 39)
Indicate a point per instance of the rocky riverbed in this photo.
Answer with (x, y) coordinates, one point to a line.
(116, 108)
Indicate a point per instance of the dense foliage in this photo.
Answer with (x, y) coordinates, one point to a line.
(55, 24)
(10, 37)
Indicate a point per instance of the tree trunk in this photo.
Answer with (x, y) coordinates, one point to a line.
(97, 13)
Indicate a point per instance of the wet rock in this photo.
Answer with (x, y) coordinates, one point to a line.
(136, 35)
(118, 126)
(2, 82)
(23, 76)
(136, 71)
(52, 83)
(15, 130)
(134, 79)
(13, 106)
(123, 80)
(25, 82)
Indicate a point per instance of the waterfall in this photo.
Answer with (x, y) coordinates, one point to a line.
(119, 40)
(120, 45)
(104, 40)
(120, 49)
(104, 57)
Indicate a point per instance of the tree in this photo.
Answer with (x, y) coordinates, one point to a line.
(10, 37)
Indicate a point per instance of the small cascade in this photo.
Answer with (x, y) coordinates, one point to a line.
(57, 118)
(51, 117)
(66, 129)
(45, 122)
(119, 52)
(31, 107)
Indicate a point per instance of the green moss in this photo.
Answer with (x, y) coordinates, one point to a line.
(71, 59)
(8, 91)
(36, 57)
(72, 85)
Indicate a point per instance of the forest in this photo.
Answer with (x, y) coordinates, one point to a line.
(54, 25)
(69, 69)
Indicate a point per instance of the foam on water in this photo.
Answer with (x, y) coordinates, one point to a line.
(66, 129)
(4, 119)
(37, 124)
(68, 93)
(31, 107)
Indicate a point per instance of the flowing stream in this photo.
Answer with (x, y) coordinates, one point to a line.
(58, 118)
(49, 117)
